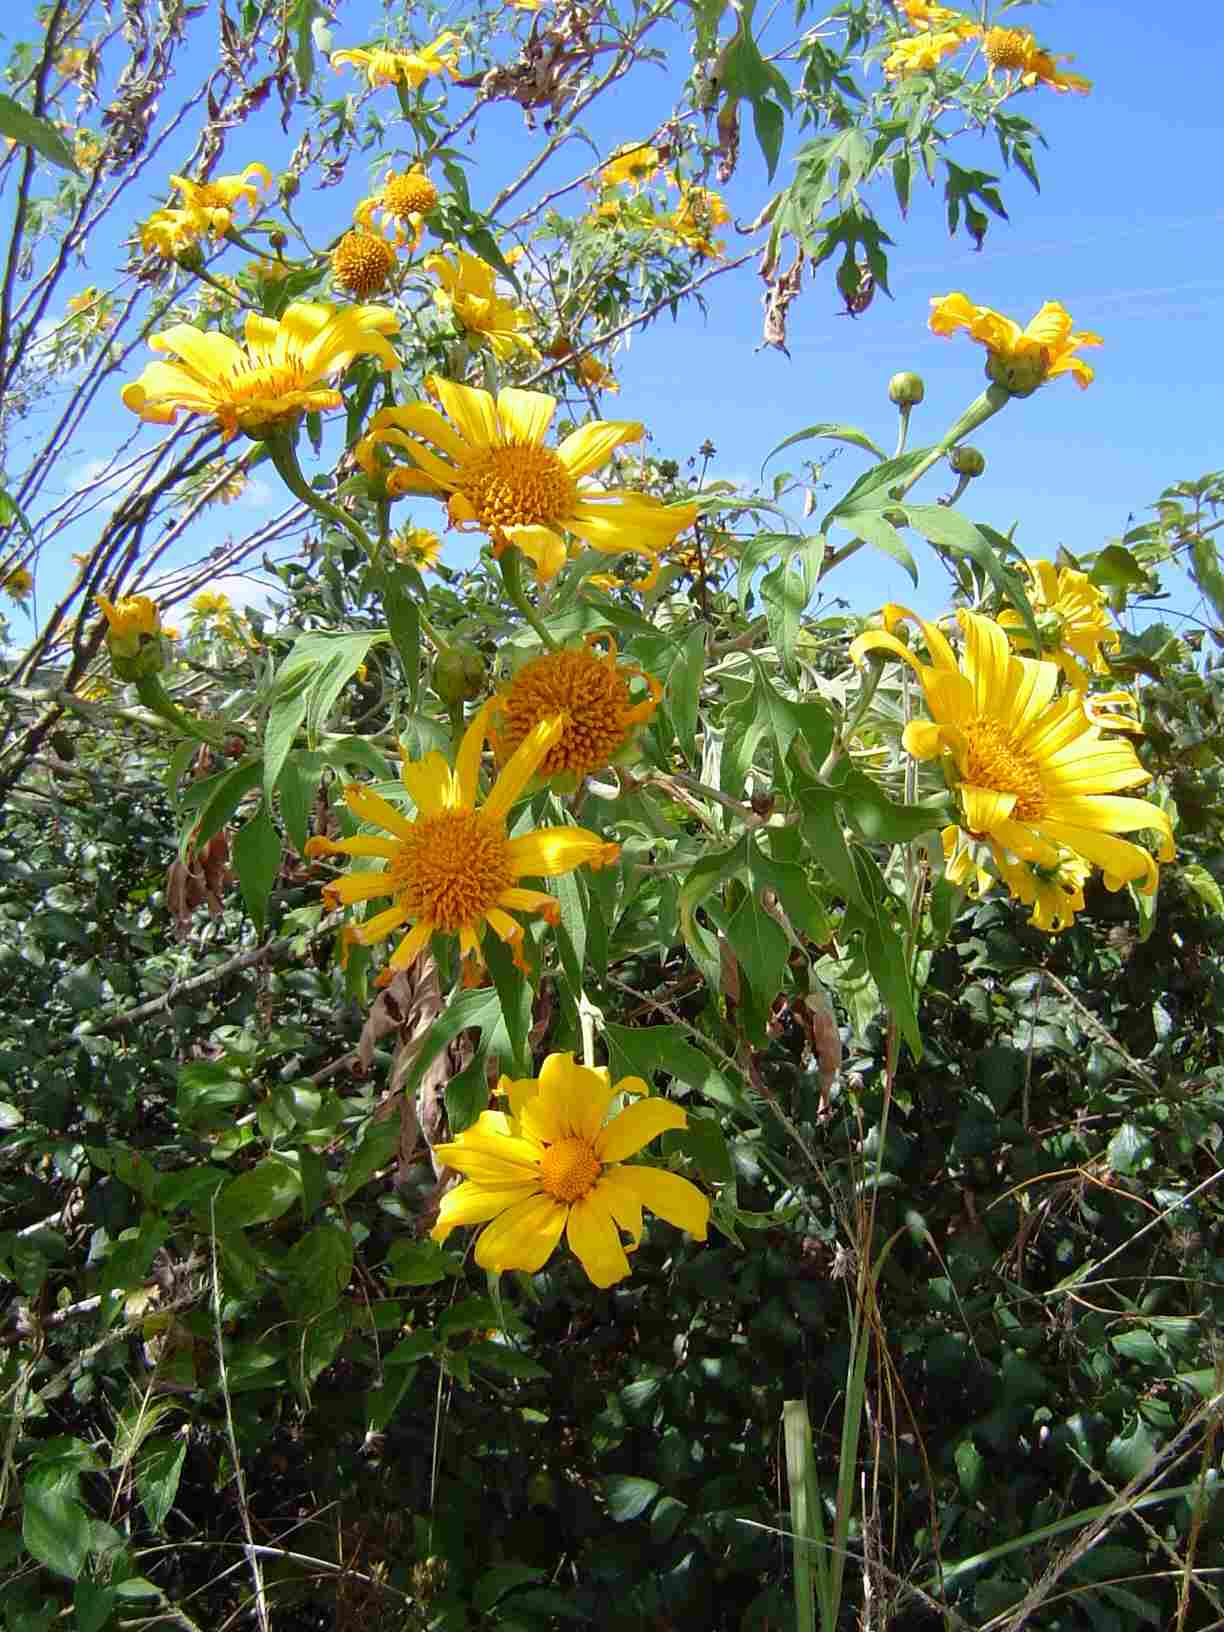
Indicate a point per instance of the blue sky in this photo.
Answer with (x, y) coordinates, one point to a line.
(1128, 232)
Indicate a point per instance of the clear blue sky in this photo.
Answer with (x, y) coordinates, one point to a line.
(1128, 232)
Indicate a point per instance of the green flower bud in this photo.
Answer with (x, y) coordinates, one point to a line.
(459, 673)
(1020, 373)
(967, 461)
(906, 390)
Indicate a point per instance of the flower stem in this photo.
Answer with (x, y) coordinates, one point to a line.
(154, 696)
(512, 578)
(284, 457)
(978, 412)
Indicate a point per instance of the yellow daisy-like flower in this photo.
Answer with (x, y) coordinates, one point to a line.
(468, 293)
(18, 584)
(170, 233)
(451, 870)
(555, 1165)
(1033, 774)
(267, 384)
(214, 202)
(1072, 618)
(589, 689)
(1015, 49)
(130, 617)
(923, 53)
(1018, 359)
(498, 476)
(383, 66)
(363, 263)
(403, 201)
(693, 220)
(1055, 894)
(634, 164)
(923, 14)
(417, 546)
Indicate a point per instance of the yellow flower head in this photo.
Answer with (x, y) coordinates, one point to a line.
(18, 584)
(589, 689)
(214, 202)
(1055, 894)
(382, 66)
(922, 53)
(170, 233)
(95, 309)
(1072, 617)
(468, 293)
(417, 546)
(1034, 776)
(554, 1164)
(403, 201)
(634, 164)
(267, 384)
(130, 617)
(1018, 359)
(488, 460)
(923, 14)
(693, 220)
(451, 869)
(1015, 49)
(363, 263)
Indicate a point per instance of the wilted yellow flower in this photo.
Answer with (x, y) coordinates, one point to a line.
(131, 616)
(169, 233)
(74, 63)
(383, 66)
(922, 53)
(91, 304)
(215, 201)
(498, 476)
(403, 201)
(589, 690)
(269, 383)
(363, 263)
(633, 165)
(1015, 49)
(1019, 359)
(554, 1165)
(1032, 773)
(18, 584)
(595, 374)
(1072, 617)
(1055, 894)
(451, 869)
(699, 211)
(233, 486)
(923, 14)
(417, 546)
(468, 292)
(87, 149)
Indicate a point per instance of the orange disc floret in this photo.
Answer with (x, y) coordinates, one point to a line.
(1007, 48)
(363, 264)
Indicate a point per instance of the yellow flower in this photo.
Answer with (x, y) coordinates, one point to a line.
(554, 1165)
(130, 617)
(922, 53)
(922, 14)
(169, 233)
(382, 66)
(1055, 894)
(212, 609)
(268, 270)
(451, 870)
(1016, 49)
(1033, 775)
(469, 293)
(18, 584)
(692, 221)
(94, 307)
(499, 477)
(418, 546)
(404, 200)
(590, 691)
(214, 202)
(1072, 617)
(267, 384)
(74, 64)
(594, 374)
(633, 164)
(1019, 359)
(363, 263)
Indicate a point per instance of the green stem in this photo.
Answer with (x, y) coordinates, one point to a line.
(284, 457)
(154, 696)
(512, 578)
(904, 412)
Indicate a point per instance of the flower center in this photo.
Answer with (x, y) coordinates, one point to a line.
(1021, 369)
(362, 263)
(452, 869)
(994, 761)
(569, 1169)
(408, 193)
(1006, 47)
(209, 196)
(518, 487)
(590, 694)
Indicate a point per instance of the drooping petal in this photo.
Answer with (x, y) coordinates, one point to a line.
(1120, 861)
(550, 852)
(1114, 814)
(523, 1237)
(632, 1129)
(594, 1240)
(412, 945)
(542, 546)
(669, 1195)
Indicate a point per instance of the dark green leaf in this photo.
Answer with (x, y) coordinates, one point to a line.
(257, 857)
(40, 134)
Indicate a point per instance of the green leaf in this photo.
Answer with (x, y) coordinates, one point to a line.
(297, 787)
(92, 1605)
(220, 795)
(836, 433)
(642, 1053)
(628, 1496)
(494, 1584)
(481, 1007)
(347, 654)
(786, 721)
(266, 1192)
(1116, 568)
(761, 946)
(319, 1267)
(870, 493)
(379, 1144)
(1130, 1150)
(768, 121)
(947, 529)
(880, 819)
(697, 887)
(285, 717)
(404, 622)
(514, 995)
(970, 1466)
(158, 1469)
(207, 1090)
(418, 1263)
(683, 688)
(257, 858)
(785, 596)
(54, 1525)
(874, 528)
(40, 134)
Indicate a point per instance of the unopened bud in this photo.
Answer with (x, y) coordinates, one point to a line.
(278, 239)
(459, 673)
(967, 461)
(189, 258)
(906, 390)
(289, 186)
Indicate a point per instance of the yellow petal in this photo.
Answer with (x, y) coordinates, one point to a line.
(362, 844)
(1120, 861)
(667, 1194)
(1112, 814)
(594, 1240)
(428, 782)
(412, 945)
(360, 887)
(622, 1202)
(633, 1128)
(371, 807)
(591, 446)
(525, 415)
(550, 852)
(572, 1101)
(467, 761)
(502, 1161)
(985, 808)
(473, 412)
(523, 1237)
(522, 765)
(472, 1203)
(380, 926)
